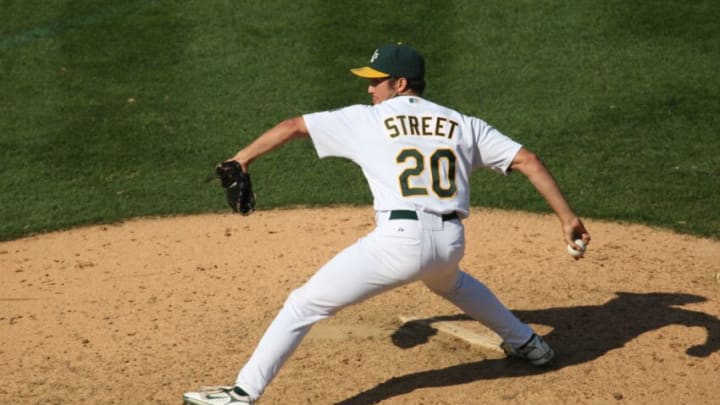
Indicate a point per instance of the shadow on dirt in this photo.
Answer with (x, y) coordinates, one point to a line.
(581, 334)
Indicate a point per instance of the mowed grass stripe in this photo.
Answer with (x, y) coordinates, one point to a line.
(58, 27)
(126, 116)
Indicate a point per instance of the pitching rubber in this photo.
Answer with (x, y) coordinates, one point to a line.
(486, 340)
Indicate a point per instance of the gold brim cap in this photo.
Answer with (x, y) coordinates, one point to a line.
(368, 73)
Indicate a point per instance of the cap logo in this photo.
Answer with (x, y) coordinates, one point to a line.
(374, 56)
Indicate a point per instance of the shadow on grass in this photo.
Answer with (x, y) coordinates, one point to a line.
(581, 334)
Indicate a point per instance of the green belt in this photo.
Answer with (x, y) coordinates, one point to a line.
(407, 214)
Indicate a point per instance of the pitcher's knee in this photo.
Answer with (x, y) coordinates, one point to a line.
(448, 287)
(304, 305)
(443, 292)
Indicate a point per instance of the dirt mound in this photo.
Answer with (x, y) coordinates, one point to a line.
(141, 311)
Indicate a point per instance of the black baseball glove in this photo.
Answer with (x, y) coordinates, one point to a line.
(238, 187)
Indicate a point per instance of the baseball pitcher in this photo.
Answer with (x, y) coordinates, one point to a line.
(417, 156)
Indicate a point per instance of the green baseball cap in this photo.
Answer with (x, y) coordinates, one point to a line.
(395, 60)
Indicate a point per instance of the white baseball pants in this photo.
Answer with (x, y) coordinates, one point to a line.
(396, 252)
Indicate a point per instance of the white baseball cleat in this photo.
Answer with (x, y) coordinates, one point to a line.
(220, 395)
(536, 351)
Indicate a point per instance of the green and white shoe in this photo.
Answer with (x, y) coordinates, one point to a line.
(220, 395)
(535, 351)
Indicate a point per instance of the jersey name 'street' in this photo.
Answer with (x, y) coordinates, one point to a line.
(421, 126)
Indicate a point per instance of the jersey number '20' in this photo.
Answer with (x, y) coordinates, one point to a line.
(444, 183)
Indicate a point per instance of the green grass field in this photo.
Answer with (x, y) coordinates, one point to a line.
(117, 109)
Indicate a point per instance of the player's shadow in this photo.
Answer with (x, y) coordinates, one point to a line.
(580, 334)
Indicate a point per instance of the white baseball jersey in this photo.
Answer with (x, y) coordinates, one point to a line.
(415, 154)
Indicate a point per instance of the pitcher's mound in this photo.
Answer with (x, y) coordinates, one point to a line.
(141, 311)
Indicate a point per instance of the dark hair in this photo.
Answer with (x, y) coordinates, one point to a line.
(416, 85)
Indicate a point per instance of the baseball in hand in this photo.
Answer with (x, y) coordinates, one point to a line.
(577, 253)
